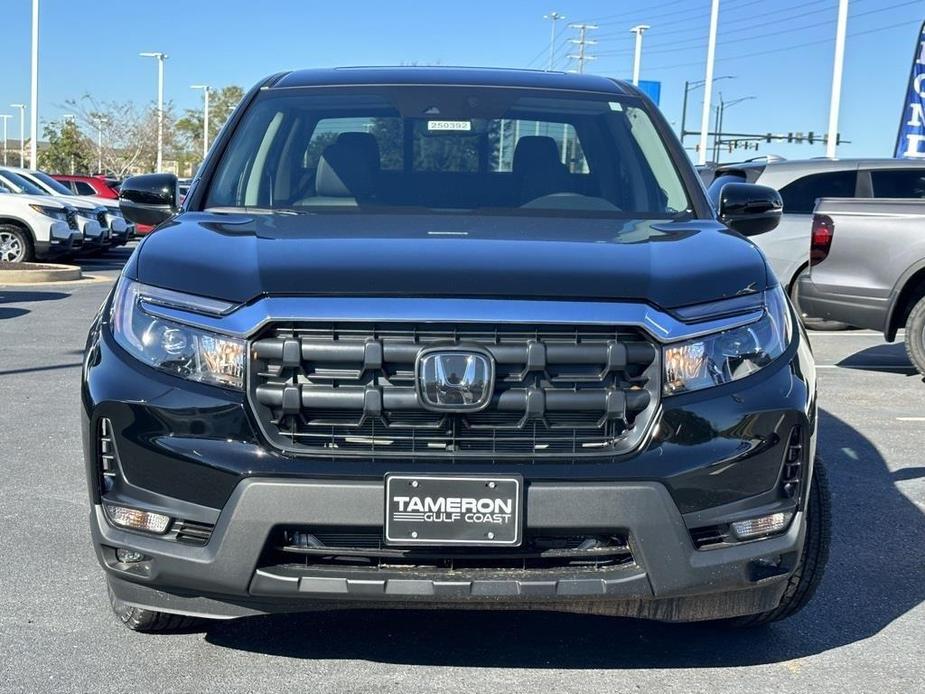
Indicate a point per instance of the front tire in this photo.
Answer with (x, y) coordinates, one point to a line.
(805, 579)
(150, 621)
(811, 322)
(915, 335)
(15, 245)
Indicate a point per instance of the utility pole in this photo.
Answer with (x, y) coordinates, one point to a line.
(708, 83)
(553, 17)
(581, 42)
(835, 103)
(205, 117)
(6, 117)
(34, 113)
(22, 133)
(639, 30)
(160, 57)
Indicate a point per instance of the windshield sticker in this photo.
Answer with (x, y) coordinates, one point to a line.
(453, 125)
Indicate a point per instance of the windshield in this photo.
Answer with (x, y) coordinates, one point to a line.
(52, 183)
(20, 184)
(455, 149)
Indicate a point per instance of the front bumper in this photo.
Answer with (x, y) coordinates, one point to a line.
(839, 304)
(61, 240)
(669, 579)
(194, 453)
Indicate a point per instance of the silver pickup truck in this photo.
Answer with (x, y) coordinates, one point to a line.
(867, 267)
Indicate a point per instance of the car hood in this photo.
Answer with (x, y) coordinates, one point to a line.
(45, 200)
(237, 257)
(74, 201)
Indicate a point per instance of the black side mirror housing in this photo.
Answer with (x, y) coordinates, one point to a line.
(748, 208)
(150, 198)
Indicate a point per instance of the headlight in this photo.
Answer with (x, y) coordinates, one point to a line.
(87, 214)
(173, 347)
(732, 354)
(115, 212)
(55, 212)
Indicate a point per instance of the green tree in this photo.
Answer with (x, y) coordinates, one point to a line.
(68, 151)
(189, 127)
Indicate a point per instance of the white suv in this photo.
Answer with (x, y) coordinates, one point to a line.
(34, 227)
(91, 218)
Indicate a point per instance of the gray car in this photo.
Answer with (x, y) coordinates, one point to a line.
(801, 183)
(868, 264)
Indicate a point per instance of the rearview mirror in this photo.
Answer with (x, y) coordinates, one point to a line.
(748, 208)
(149, 199)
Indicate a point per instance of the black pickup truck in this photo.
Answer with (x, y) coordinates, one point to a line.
(444, 338)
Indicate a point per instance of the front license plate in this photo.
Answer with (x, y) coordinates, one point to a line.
(453, 510)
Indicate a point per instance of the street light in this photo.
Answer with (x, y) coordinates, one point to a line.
(34, 114)
(689, 87)
(554, 17)
(22, 133)
(708, 82)
(6, 117)
(837, 67)
(160, 57)
(205, 117)
(101, 120)
(639, 30)
(720, 116)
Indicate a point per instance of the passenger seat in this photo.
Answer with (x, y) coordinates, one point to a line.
(347, 171)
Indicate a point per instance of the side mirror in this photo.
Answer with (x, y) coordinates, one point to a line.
(749, 209)
(149, 199)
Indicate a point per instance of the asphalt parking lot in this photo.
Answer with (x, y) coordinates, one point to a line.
(863, 631)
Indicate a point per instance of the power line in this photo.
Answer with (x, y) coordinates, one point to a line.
(781, 49)
(782, 32)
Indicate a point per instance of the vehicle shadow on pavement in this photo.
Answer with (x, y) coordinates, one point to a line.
(887, 357)
(15, 296)
(876, 573)
(112, 260)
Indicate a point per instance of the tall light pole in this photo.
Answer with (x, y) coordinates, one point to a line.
(101, 120)
(34, 113)
(639, 30)
(22, 133)
(205, 117)
(160, 57)
(708, 83)
(835, 103)
(553, 17)
(6, 117)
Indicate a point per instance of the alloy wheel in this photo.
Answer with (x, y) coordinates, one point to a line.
(11, 248)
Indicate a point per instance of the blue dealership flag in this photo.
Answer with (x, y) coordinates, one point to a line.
(910, 141)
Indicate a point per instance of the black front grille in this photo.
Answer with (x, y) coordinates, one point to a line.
(348, 389)
(72, 220)
(101, 218)
(364, 547)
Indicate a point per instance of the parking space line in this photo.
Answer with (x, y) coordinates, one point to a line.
(862, 367)
(910, 419)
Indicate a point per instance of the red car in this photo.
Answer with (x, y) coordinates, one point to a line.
(100, 186)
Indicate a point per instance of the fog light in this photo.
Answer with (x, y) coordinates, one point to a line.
(129, 556)
(137, 520)
(763, 526)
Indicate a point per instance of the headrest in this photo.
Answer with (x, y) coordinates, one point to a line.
(535, 151)
(362, 142)
(346, 168)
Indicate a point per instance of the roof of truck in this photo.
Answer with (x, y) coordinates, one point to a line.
(449, 76)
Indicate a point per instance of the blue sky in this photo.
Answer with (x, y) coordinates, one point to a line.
(779, 50)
